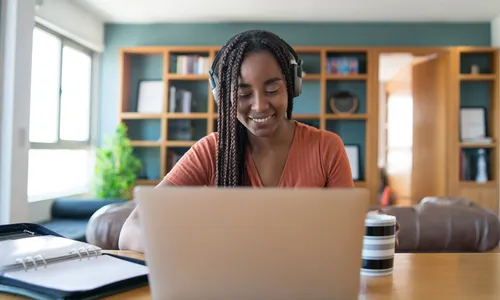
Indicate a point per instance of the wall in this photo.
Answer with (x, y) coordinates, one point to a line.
(17, 28)
(341, 34)
(73, 22)
(495, 32)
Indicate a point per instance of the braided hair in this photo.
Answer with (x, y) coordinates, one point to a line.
(233, 136)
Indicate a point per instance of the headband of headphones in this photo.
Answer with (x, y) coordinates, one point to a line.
(296, 63)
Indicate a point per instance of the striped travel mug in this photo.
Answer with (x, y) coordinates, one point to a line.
(378, 245)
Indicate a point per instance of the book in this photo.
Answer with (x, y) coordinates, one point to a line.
(41, 265)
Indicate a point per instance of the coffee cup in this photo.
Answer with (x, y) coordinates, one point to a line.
(378, 245)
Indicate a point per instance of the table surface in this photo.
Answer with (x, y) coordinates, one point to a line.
(419, 276)
(416, 276)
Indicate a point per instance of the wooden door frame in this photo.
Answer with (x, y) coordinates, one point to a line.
(374, 89)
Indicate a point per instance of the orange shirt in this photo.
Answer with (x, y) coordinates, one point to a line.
(317, 158)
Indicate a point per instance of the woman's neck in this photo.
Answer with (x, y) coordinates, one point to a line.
(283, 136)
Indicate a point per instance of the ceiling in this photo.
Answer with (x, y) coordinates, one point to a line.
(156, 11)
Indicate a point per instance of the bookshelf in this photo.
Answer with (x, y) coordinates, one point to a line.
(474, 84)
(160, 138)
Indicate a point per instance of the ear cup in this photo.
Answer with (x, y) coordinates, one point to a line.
(297, 78)
(213, 84)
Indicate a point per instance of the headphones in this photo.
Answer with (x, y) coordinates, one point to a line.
(296, 72)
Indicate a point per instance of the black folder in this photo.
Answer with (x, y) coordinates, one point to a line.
(38, 263)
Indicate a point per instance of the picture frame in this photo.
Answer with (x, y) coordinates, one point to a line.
(353, 156)
(472, 123)
(150, 96)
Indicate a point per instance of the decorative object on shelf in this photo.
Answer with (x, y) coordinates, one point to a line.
(353, 156)
(482, 167)
(473, 125)
(150, 97)
(342, 65)
(474, 69)
(180, 101)
(344, 103)
(465, 166)
(116, 167)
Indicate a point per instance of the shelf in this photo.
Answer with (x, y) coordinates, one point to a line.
(473, 184)
(477, 145)
(305, 116)
(477, 77)
(187, 77)
(147, 181)
(312, 77)
(346, 77)
(346, 116)
(145, 143)
(179, 143)
(139, 116)
(360, 184)
(188, 116)
(157, 138)
(477, 86)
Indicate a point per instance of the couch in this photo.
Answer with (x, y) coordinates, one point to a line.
(433, 225)
(70, 216)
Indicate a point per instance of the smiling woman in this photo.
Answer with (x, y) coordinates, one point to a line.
(255, 78)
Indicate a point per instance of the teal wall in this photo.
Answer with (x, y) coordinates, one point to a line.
(334, 34)
(318, 34)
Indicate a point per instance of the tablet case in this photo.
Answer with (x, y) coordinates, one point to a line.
(21, 288)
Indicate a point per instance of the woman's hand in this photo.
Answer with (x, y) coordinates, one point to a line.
(381, 212)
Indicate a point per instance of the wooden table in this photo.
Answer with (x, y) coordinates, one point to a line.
(468, 276)
(474, 276)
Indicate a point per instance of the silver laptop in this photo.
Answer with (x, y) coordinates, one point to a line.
(253, 243)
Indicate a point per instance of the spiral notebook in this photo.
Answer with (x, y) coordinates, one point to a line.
(57, 266)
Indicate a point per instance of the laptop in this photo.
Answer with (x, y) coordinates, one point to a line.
(253, 243)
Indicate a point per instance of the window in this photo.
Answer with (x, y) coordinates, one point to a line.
(399, 133)
(60, 155)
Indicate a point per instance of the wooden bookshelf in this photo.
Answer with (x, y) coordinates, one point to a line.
(473, 90)
(158, 144)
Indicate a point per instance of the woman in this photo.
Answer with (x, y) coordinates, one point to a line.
(255, 78)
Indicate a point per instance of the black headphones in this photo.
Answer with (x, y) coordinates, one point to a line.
(296, 63)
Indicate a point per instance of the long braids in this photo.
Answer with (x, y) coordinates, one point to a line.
(233, 136)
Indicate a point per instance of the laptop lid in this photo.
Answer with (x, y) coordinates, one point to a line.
(247, 243)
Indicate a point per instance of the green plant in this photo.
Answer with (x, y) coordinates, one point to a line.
(116, 166)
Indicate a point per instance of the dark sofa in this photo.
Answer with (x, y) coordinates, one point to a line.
(70, 216)
(433, 225)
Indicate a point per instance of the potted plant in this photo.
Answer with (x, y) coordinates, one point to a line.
(116, 167)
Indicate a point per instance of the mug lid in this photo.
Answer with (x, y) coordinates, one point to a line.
(380, 220)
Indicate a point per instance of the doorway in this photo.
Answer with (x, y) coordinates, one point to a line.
(411, 124)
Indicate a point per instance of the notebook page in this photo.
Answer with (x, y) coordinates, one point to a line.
(48, 246)
(75, 275)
